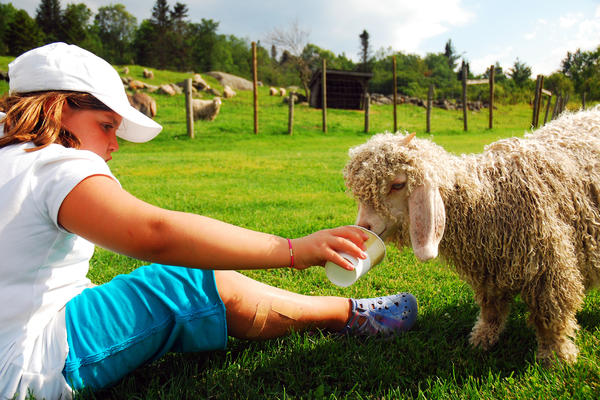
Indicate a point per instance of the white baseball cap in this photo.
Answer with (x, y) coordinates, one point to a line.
(59, 66)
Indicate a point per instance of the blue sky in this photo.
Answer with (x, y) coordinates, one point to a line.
(538, 33)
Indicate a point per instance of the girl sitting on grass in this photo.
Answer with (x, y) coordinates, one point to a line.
(58, 198)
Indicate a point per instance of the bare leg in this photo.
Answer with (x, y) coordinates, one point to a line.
(247, 300)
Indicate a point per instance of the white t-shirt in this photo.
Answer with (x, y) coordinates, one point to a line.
(42, 266)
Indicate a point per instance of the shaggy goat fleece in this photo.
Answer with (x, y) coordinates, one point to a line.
(206, 109)
(522, 217)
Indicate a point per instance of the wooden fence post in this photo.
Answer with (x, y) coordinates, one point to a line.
(255, 86)
(429, 101)
(547, 109)
(324, 91)
(540, 100)
(367, 107)
(292, 98)
(491, 102)
(189, 110)
(395, 94)
(536, 101)
(556, 109)
(464, 95)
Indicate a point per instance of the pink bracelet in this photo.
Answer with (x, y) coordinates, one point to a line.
(291, 253)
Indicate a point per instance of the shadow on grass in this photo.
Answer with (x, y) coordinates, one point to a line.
(317, 365)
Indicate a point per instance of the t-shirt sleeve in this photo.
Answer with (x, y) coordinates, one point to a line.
(55, 176)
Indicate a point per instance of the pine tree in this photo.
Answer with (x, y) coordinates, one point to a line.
(48, 18)
(161, 29)
(161, 16)
(7, 15)
(450, 54)
(23, 34)
(75, 23)
(116, 29)
(365, 51)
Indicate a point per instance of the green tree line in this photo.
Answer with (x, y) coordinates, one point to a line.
(170, 40)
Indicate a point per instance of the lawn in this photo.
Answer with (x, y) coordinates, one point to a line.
(292, 186)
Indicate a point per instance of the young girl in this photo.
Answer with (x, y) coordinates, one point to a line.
(58, 199)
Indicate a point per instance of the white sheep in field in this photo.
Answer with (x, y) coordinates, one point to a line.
(206, 109)
(523, 217)
(273, 91)
(148, 74)
(228, 92)
(282, 92)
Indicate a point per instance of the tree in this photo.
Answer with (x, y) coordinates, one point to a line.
(48, 18)
(583, 68)
(178, 17)
(559, 84)
(499, 75)
(160, 15)
(7, 15)
(520, 73)
(293, 40)
(459, 74)
(161, 36)
(143, 44)
(115, 27)
(180, 57)
(365, 51)
(75, 24)
(203, 40)
(231, 54)
(450, 54)
(23, 34)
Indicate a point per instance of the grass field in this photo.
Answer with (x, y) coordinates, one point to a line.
(291, 186)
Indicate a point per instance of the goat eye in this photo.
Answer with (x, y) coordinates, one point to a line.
(398, 186)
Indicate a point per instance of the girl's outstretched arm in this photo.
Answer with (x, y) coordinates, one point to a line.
(99, 210)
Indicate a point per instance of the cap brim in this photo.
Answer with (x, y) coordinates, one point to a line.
(136, 127)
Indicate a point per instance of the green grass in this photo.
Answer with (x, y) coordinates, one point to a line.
(291, 186)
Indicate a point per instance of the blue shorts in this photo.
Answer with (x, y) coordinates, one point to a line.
(114, 328)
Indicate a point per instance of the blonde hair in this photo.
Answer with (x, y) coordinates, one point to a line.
(37, 117)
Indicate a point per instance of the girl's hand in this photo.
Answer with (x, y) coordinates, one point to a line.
(325, 245)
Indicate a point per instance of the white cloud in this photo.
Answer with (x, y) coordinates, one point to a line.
(401, 24)
(503, 56)
(569, 20)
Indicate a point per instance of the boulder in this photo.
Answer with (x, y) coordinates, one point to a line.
(235, 82)
(167, 89)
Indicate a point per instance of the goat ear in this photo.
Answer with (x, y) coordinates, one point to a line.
(408, 138)
(427, 217)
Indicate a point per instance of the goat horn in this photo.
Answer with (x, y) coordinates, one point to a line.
(408, 138)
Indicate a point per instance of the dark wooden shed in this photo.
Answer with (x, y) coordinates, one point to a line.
(345, 89)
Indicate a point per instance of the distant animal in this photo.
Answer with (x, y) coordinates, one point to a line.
(148, 74)
(522, 217)
(273, 91)
(228, 92)
(206, 110)
(144, 103)
(282, 92)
